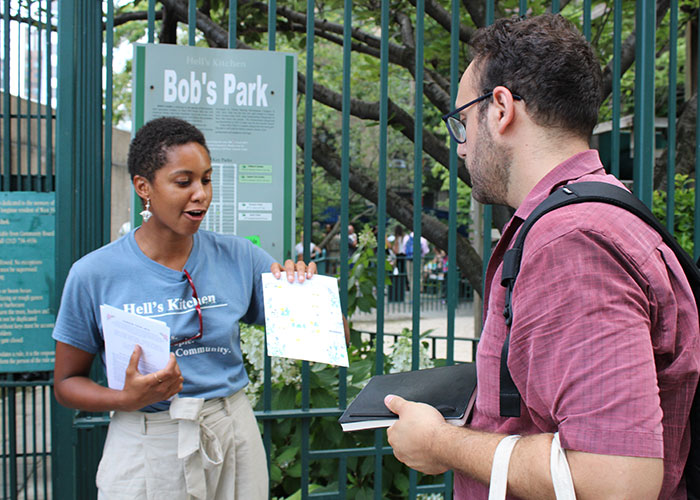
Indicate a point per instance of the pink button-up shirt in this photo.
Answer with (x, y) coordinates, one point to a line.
(604, 343)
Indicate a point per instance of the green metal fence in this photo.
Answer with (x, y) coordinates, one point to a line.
(59, 138)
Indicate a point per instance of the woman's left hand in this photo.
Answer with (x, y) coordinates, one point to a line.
(302, 271)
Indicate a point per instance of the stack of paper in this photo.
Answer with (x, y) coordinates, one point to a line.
(122, 331)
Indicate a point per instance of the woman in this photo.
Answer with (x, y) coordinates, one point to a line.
(205, 443)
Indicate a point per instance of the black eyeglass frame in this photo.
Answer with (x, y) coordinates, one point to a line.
(458, 123)
(197, 307)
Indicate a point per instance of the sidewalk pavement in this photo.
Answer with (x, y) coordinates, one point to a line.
(436, 321)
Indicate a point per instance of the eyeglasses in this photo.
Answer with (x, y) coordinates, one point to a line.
(456, 127)
(197, 307)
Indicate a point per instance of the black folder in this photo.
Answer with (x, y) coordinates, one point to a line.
(449, 389)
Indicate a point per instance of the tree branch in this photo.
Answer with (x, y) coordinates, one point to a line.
(399, 208)
(627, 54)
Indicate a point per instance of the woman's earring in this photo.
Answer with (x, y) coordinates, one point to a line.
(146, 212)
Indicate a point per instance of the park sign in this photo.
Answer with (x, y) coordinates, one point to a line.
(244, 102)
(27, 264)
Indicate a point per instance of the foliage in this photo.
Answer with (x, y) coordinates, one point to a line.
(684, 210)
(323, 384)
(363, 273)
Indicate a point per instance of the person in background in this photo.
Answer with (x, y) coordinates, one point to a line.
(603, 348)
(409, 245)
(187, 430)
(299, 248)
(352, 240)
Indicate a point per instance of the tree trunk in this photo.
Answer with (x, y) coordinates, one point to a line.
(685, 145)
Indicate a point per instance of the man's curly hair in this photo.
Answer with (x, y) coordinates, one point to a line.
(149, 148)
(546, 61)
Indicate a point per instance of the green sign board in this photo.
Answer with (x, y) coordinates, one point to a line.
(244, 101)
(27, 267)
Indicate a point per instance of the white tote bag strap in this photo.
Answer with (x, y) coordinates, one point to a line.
(499, 469)
(561, 474)
(559, 467)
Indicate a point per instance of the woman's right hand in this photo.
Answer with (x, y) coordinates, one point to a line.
(142, 390)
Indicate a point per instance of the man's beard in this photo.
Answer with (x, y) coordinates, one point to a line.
(489, 169)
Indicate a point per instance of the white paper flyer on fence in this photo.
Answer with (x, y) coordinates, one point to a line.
(304, 320)
(122, 331)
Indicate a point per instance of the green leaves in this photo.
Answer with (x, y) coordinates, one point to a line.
(684, 210)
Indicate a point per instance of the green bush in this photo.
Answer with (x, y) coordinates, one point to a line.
(684, 210)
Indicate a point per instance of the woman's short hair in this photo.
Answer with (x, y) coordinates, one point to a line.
(149, 148)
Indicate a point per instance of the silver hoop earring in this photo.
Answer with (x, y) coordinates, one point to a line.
(146, 213)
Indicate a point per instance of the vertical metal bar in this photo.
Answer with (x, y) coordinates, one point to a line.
(345, 156)
(23, 426)
(63, 470)
(192, 21)
(35, 448)
(555, 7)
(671, 129)
(522, 7)
(308, 209)
(272, 25)
(305, 422)
(5, 444)
(308, 126)
(44, 448)
(28, 120)
(344, 212)
(417, 205)
(267, 405)
(12, 436)
(107, 190)
(151, 20)
(6, 104)
(644, 100)
(232, 23)
(452, 275)
(49, 101)
(417, 180)
(696, 233)
(587, 19)
(616, 84)
(381, 229)
(381, 206)
(18, 107)
(41, 42)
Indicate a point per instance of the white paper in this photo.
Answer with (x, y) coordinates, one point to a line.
(304, 320)
(122, 331)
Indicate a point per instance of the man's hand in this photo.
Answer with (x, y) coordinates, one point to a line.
(302, 271)
(413, 436)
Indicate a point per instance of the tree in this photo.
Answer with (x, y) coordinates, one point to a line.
(212, 20)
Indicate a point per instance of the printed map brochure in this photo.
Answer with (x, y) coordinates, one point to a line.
(304, 320)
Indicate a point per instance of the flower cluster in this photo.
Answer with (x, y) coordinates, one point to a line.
(401, 356)
(253, 346)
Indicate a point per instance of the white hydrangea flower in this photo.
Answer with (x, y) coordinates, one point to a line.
(402, 354)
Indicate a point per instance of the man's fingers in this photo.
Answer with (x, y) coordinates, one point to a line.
(394, 403)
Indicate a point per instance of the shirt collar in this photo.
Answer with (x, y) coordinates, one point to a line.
(581, 164)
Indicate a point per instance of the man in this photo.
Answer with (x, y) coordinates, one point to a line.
(408, 245)
(603, 344)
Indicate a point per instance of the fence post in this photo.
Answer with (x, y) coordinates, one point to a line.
(79, 188)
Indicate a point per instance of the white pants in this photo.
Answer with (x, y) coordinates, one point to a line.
(221, 455)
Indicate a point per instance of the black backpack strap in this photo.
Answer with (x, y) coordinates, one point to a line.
(579, 192)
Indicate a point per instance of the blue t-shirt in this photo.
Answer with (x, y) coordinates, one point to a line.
(225, 271)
